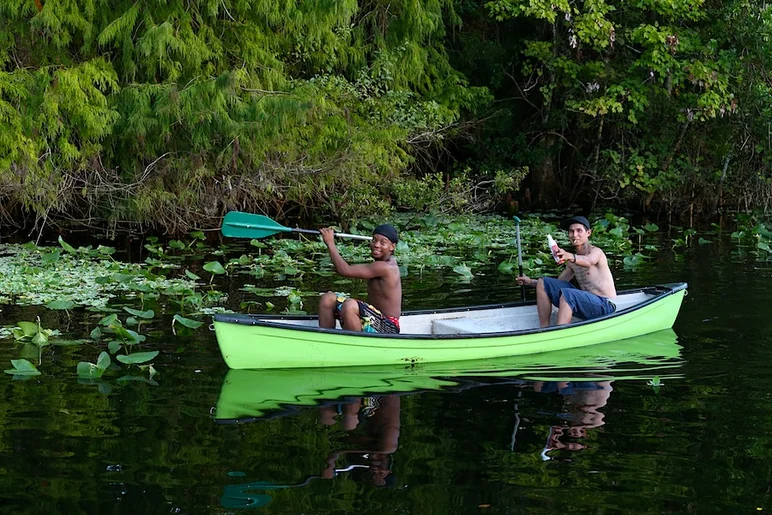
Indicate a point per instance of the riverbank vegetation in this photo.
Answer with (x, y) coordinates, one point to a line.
(165, 115)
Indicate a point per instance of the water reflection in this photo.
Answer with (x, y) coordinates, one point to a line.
(583, 401)
(372, 427)
(357, 410)
(370, 448)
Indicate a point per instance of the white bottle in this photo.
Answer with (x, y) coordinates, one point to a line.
(553, 248)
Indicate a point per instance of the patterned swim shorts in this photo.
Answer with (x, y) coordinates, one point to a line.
(373, 321)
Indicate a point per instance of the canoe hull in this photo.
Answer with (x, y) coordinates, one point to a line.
(249, 394)
(259, 345)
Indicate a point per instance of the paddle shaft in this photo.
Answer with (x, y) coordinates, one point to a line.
(338, 234)
(279, 229)
(519, 257)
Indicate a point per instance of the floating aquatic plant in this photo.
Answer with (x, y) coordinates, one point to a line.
(22, 367)
(88, 370)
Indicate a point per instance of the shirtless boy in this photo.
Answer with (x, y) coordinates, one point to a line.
(589, 266)
(380, 314)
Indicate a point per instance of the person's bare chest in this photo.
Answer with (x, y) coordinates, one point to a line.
(584, 275)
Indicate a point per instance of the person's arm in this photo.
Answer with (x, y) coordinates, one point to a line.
(586, 261)
(369, 271)
(565, 275)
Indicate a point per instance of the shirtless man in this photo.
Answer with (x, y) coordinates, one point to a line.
(380, 314)
(589, 265)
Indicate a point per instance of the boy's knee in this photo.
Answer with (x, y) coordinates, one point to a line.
(328, 300)
(349, 306)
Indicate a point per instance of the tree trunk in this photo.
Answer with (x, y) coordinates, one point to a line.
(543, 178)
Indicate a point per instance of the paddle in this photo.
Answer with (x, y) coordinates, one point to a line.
(519, 257)
(247, 225)
(240, 496)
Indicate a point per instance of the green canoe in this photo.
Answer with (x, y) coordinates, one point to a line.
(275, 341)
(249, 394)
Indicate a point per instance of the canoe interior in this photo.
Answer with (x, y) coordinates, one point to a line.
(475, 320)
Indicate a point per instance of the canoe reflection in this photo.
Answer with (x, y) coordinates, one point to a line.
(365, 402)
(247, 395)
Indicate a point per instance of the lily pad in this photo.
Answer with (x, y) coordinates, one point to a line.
(214, 267)
(140, 314)
(61, 304)
(463, 271)
(22, 367)
(137, 357)
(187, 322)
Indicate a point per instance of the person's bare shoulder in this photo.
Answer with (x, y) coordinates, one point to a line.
(382, 268)
(598, 254)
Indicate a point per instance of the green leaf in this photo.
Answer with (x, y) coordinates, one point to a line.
(103, 361)
(61, 304)
(87, 370)
(96, 333)
(191, 275)
(40, 339)
(140, 314)
(506, 267)
(22, 367)
(199, 235)
(214, 267)
(114, 346)
(28, 328)
(137, 357)
(50, 257)
(66, 246)
(187, 322)
(130, 337)
(463, 271)
(109, 319)
(176, 244)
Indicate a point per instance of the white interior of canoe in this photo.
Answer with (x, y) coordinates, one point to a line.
(478, 321)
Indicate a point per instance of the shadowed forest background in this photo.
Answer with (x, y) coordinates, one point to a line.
(162, 116)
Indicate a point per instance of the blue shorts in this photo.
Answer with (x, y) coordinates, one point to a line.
(585, 305)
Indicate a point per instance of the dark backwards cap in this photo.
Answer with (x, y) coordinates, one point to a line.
(565, 224)
(389, 231)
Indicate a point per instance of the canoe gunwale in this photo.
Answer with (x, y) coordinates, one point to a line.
(660, 291)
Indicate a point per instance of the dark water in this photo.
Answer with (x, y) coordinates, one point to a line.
(581, 442)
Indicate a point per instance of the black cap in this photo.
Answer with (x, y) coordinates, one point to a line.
(387, 230)
(565, 224)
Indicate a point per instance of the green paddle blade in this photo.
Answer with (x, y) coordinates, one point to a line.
(247, 225)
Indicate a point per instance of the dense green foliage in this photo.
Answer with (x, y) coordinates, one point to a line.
(171, 113)
(657, 102)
